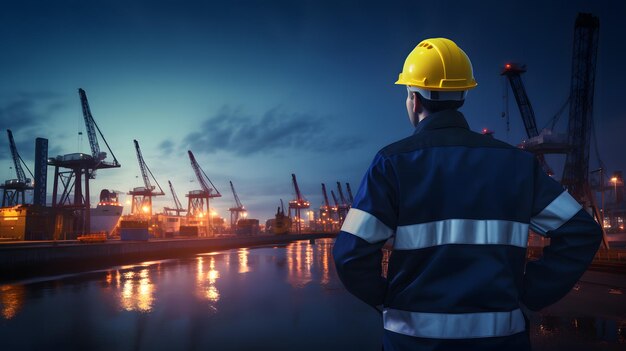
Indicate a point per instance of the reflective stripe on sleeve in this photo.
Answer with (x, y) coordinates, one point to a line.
(461, 231)
(365, 226)
(454, 326)
(559, 211)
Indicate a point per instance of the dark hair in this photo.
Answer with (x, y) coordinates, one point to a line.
(436, 106)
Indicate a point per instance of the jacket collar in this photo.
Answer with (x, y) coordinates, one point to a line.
(442, 119)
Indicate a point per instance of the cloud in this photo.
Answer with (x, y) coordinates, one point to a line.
(232, 131)
(167, 147)
(27, 115)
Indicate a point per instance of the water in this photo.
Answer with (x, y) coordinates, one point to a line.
(271, 298)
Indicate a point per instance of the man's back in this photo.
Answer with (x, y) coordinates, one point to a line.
(459, 205)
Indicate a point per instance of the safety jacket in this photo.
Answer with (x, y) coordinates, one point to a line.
(459, 206)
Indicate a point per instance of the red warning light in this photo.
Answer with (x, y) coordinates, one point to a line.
(507, 66)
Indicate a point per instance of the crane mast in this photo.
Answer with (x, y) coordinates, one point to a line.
(198, 205)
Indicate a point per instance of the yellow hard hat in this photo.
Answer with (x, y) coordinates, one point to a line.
(437, 64)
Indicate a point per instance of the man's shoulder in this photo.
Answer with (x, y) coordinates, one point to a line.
(442, 138)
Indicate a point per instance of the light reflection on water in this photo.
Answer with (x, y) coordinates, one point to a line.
(279, 298)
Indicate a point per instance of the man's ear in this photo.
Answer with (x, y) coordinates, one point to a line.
(417, 104)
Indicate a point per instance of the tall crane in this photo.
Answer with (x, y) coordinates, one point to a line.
(237, 210)
(142, 196)
(326, 210)
(298, 203)
(79, 166)
(580, 122)
(350, 197)
(198, 205)
(179, 207)
(343, 208)
(14, 190)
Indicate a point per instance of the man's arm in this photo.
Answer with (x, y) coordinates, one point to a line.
(370, 222)
(574, 240)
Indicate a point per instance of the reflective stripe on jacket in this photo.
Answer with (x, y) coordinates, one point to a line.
(459, 205)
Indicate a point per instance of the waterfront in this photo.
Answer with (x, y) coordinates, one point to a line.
(284, 297)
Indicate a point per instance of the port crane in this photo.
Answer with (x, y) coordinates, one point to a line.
(179, 207)
(14, 190)
(298, 203)
(237, 210)
(343, 207)
(350, 197)
(142, 196)
(576, 143)
(326, 211)
(198, 204)
(72, 170)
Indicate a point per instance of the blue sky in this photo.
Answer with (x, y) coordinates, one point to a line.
(262, 89)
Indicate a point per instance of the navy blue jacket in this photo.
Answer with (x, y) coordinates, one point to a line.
(459, 206)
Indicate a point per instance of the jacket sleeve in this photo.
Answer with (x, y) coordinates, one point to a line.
(574, 239)
(369, 223)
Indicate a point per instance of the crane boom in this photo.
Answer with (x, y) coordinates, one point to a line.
(146, 173)
(202, 177)
(332, 193)
(177, 203)
(325, 196)
(350, 197)
(92, 126)
(514, 74)
(237, 202)
(17, 161)
(341, 197)
(89, 124)
(296, 187)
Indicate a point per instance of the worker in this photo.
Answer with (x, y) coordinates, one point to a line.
(458, 207)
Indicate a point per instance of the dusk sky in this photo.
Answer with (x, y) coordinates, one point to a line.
(262, 89)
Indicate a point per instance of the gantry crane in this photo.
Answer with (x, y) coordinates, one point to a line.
(142, 196)
(199, 205)
(14, 190)
(343, 207)
(326, 211)
(237, 210)
(298, 203)
(179, 207)
(79, 166)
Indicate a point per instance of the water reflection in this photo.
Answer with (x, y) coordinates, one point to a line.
(243, 260)
(206, 282)
(555, 329)
(308, 263)
(137, 290)
(12, 299)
